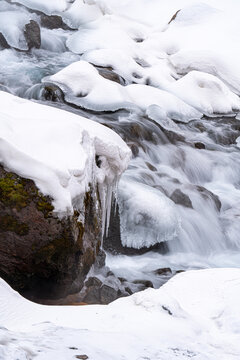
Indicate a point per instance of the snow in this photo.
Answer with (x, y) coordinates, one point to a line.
(80, 13)
(88, 89)
(45, 6)
(206, 93)
(57, 150)
(94, 92)
(195, 315)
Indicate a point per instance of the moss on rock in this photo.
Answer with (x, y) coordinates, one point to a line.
(12, 192)
(10, 223)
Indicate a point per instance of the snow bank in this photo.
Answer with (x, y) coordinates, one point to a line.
(57, 150)
(195, 315)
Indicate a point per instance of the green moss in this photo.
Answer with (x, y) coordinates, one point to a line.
(12, 192)
(10, 223)
(44, 206)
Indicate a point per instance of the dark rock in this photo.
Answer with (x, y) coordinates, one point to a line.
(98, 293)
(110, 273)
(174, 16)
(145, 283)
(3, 42)
(134, 148)
(108, 294)
(52, 92)
(41, 256)
(52, 22)
(166, 309)
(109, 74)
(199, 145)
(150, 166)
(181, 199)
(128, 290)
(93, 281)
(163, 271)
(32, 35)
(92, 295)
(208, 195)
(82, 357)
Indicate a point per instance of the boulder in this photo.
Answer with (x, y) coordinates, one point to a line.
(41, 255)
(178, 197)
(3, 42)
(32, 35)
(53, 22)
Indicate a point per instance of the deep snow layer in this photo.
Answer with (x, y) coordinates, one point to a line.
(58, 150)
(195, 315)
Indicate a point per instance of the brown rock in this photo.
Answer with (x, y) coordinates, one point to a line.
(42, 256)
(32, 35)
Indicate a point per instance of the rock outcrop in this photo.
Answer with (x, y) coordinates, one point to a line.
(42, 256)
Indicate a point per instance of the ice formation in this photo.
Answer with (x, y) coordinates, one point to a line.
(58, 149)
(148, 212)
(195, 315)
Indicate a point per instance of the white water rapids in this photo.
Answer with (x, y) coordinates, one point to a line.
(183, 183)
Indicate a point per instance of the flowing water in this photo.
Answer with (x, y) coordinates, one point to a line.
(182, 186)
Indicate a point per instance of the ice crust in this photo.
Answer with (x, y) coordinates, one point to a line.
(196, 314)
(57, 150)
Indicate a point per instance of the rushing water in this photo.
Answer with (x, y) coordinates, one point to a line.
(182, 185)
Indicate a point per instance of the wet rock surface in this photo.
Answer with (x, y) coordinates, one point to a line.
(42, 256)
(32, 35)
(52, 22)
(178, 197)
(3, 42)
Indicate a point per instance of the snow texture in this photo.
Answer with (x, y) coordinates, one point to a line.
(195, 315)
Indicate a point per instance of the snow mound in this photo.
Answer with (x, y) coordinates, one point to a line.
(195, 315)
(206, 93)
(84, 86)
(58, 150)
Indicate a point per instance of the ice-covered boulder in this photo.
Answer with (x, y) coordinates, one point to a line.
(56, 185)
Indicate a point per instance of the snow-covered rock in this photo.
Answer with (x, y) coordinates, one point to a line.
(76, 164)
(58, 149)
(195, 315)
